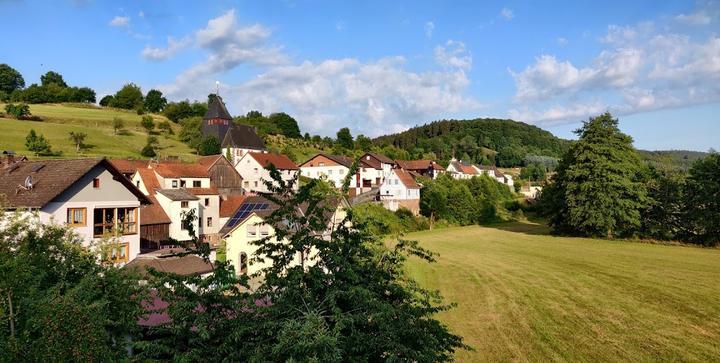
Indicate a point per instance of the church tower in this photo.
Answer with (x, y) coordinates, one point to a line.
(217, 120)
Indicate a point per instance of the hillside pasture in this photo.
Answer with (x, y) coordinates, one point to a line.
(59, 120)
(526, 296)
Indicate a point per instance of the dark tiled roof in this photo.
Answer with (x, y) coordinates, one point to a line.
(419, 165)
(382, 158)
(185, 265)
(340, 159)
(244, 137)
(216, 109)
(51, 178)
(208, 161)
(279, 160)
(406, 179)
(177, 194)
(153, 213)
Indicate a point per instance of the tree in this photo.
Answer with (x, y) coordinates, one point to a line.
(703, 204)
(129, 97)
(191, 133)
(433, 201)
(10, 79)
(118, 125)
(363, 143)
(178, 111)
(598, 189)
(37, 143)
(18, 111)
(107, 101)
(287, 125)
(77, 138)
(147, 123)
(149, 149)
(209, 146)
(57, 302)
(354, 302)
(53, 78)
(344, 138)
(154, 101)
(165, 126)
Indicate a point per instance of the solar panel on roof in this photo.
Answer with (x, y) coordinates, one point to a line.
(244, 211)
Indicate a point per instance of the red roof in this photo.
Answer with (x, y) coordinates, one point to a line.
(419, 165)
(149, 179)
(406, 179)
(128, 166)
(229, 206)
(279, 160)
(208, 161)
(180, 170)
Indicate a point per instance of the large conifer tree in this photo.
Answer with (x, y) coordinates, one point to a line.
(598, 190)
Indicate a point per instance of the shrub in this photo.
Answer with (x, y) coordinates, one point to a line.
(18, 111)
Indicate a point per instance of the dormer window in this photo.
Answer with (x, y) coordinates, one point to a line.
(174, 183)
(196, 184)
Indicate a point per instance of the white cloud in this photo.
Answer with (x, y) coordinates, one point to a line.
(429, 28)
(644, 67)
(453, 54)
(159, 53)
(507, 14)
(119, 21)
(697, 18)
(562, 41)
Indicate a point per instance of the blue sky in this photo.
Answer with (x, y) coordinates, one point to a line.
(383, 66)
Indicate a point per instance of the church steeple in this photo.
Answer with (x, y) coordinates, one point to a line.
(217, 120)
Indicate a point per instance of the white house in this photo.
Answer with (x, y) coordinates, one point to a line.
(333, 168)
(89, 195)
(253, 169)
(400, 190)
(373, 169)
(459, 169)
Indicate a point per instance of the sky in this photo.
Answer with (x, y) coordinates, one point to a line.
(380, 67)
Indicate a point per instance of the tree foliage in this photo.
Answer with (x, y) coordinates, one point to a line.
(10, 79)
(344, 138)
(129, 97)
(702, 198)
(37, 143)
(78, 139)
(52, 77)
(176, 111)
(210, 145)
(154, 101)
(17, 111)
(598, 189)
(147, 123)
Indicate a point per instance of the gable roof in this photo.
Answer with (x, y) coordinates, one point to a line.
(406, 179)
(464, 167)
(153, 213)
(419, 165)
(51, 178)
(243, 137)
(169, 261)
(217, 109)
(149, 180)
(340, 159)
(279, 160)
(177, 194)
(242, 213)
(181, 170)
(209, 161)
(376, 157)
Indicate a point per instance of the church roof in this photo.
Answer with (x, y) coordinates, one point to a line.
(216, 109)
(243, 137)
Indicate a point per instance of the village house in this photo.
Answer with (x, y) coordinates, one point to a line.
(427, 168)
(333, 168)
(248, 224)
(372, 170)
(400, 190)
(223, 175)
(459, 169)
(89, 195)
(253, 168)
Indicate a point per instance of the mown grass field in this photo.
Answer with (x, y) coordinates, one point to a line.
(58, 120)
(525, 296)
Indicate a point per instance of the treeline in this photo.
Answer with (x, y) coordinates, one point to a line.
(503, 143)
(603, 188)
(52, 89)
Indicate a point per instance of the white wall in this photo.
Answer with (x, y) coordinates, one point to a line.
(254, 174)
(335, 174)
(393, 188)
(174, 211)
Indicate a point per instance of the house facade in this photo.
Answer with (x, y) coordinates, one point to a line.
(253, 167)
(89, 195)
(373, 169)
(427, 168)
(400, 190)
(223, 175)
(333, 168)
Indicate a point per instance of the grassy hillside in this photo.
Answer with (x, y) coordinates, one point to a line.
(526, 296)
(58, 120)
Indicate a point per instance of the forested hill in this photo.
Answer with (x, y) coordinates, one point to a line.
(487, 141)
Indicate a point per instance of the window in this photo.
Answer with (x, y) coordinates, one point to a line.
(209, 222)
(96, 183)
(174, 183)
(264, 230)
(242, 258)
(184, 204)
(207, 202)
(247, 184)
(182, 183)
(255, 170)
(321, 163)
(342, 171)
(252, 231)
(119, 253)
(121, 221)
(256, 184)
(137, 184)
(330, 172)
(196, 184)
(77, 217)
